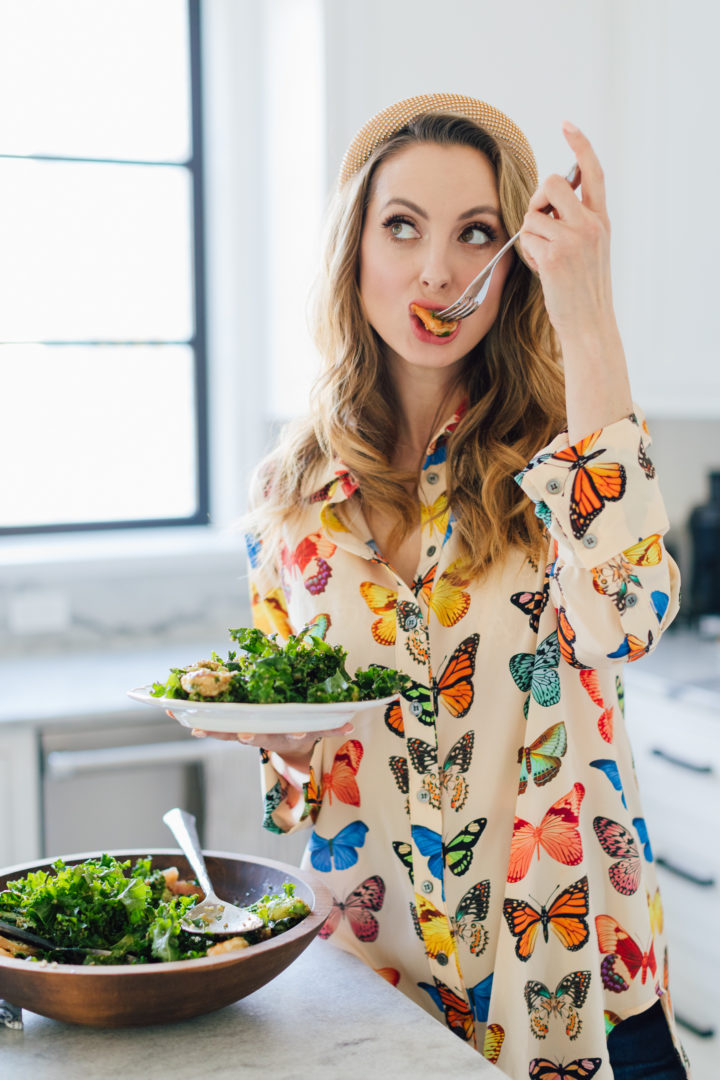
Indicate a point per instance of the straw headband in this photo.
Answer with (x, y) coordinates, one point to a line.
(393, 119)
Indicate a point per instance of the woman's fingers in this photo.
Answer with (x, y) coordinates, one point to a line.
(593, 178)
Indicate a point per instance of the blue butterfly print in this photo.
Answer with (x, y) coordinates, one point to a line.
(429, 843)
(642, 831)
(479, 996)
(542, 511)
(253, 545)
(659, 601)
(438, 456)
(340, 849)
(609, 767)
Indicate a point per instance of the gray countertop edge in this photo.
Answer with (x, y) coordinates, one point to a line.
(325, 1016)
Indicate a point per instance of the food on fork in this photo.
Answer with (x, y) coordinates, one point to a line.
(439, 327)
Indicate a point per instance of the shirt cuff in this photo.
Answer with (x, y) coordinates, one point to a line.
(600, 496)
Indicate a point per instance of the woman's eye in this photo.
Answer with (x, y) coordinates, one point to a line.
(477, 234)
(400, 229)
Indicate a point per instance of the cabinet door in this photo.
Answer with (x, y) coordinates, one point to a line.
(19, 796)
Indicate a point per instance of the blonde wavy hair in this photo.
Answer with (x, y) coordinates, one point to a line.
(513, 380)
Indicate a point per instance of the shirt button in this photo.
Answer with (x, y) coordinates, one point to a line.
(590, 541)
(631, 600)
(411, 622)
(553, 486)
(416, 708)
(431, 550)
(441, 958)
(427, 886)
(432, 478)
(423, 796)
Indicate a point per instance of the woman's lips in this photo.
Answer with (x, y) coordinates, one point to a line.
(426, 335)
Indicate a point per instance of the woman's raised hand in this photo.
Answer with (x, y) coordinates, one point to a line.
(570, 251)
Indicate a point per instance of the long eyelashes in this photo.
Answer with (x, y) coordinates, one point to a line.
(481, 226)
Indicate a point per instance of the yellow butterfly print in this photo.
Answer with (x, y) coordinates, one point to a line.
(435, 515)
(382, 602)
(330, 521)
(435, 927)
(494, 1038)
(270, 613)
(647, 552)
(656, 912)
(448, 599)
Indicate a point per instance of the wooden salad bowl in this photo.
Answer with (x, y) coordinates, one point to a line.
(141, 994)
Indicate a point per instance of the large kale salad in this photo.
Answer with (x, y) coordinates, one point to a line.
(128, 910)
(306, 669)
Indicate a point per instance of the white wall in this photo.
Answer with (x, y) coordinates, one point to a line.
(640, 77)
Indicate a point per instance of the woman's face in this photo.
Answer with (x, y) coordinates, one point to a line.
(432, 224)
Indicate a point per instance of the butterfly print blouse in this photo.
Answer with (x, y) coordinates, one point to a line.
(483, 836)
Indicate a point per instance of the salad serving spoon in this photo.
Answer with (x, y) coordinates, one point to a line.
(473, 296)
(212, 915)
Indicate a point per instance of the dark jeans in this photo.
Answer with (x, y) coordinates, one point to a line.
(640, 1048)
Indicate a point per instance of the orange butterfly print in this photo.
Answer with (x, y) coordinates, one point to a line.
(340, 781)
(566, 917)
(309, 559)
(454, 687)
(382, 602)
(422, 586)
(313, 791)
(625, 959)
(566, 639)
(392, 975)
(458, 1014)
(590, 680)
(592, 485)
(557, 833)
(394, 718)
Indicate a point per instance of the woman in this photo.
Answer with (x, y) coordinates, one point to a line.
(484, 838)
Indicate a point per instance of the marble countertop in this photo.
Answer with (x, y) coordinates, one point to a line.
(327, 1015)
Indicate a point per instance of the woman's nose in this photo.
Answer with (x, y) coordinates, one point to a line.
(435, 272)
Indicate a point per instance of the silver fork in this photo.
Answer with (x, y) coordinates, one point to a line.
(477, 290)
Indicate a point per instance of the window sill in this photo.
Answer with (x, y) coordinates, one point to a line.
(119, 552)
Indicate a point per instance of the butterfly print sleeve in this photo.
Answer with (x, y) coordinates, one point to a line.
(614, 585)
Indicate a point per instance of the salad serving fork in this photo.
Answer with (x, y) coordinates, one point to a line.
(473, 296)
(212, 915)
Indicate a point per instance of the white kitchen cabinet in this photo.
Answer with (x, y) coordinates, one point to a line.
(676, 744)
(19, 795)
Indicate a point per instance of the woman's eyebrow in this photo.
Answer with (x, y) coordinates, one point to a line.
(472, 212)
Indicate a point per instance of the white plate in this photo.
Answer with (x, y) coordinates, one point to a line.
(288, 717)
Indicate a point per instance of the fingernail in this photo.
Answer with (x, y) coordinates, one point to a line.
(199, 733)
(243, 737)
(298, 735)
(567, 126)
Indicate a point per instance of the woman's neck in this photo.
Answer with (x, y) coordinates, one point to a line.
(425, 399)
